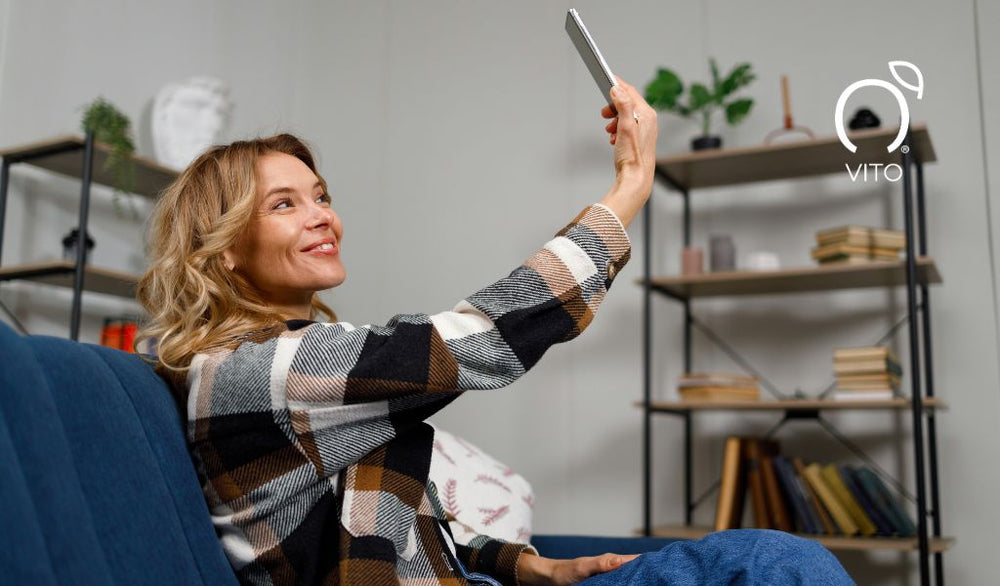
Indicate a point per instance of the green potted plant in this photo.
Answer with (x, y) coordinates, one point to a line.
(113, 128)
(666, 93)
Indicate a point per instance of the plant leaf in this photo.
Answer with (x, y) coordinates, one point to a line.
(662, 92)
(111, 126)
(737, 78)
(700, 96)
(737, 110)
(716, 81)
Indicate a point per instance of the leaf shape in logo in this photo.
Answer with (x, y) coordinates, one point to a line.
(919, 88)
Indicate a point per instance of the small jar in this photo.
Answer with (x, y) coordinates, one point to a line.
(722, 254)
(692, 261)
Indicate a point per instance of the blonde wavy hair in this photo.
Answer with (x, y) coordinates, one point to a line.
(194, 301)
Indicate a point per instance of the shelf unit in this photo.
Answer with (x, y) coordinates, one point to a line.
(83, 158)
(60, 273)
(791, 160)
(835, 542)
(787, 405)
(798, 280)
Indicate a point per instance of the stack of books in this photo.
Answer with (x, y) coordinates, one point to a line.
(870, 373)
(718, 387)
(819, 499)
(857, 244)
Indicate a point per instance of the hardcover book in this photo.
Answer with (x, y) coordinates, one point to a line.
(813, 500)
(832, 478)
(794, 496)
(755, 482)
(781, 517)
(837, 511)
(868, 367)
(887, 502)
(729, 509)
(882, 522)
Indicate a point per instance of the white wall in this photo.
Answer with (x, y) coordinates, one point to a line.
(458, 136)
(4, 21)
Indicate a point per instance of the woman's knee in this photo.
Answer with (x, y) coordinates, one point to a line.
(786, 542)
(778, 555)
(762, 540)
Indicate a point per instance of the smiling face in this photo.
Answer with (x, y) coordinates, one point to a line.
(292, 247)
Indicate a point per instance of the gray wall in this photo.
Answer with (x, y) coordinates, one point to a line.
(459, 135)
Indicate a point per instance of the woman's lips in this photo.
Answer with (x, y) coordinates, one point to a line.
(326, 247)
(320, 251)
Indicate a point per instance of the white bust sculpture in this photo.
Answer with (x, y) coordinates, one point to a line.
(188, 118)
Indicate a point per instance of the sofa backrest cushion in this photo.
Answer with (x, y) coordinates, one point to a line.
(23, 557)
(101, 448)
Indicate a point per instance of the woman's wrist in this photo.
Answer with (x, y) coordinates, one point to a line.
(533, 570)
(627, 196)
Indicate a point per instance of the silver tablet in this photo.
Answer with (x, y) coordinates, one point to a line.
(592, 57)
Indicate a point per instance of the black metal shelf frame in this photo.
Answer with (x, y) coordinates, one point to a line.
(921, 355)
(88, 165)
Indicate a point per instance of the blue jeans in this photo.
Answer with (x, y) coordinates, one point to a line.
(741, 556)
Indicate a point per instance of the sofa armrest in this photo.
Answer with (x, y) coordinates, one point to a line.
(571, 546)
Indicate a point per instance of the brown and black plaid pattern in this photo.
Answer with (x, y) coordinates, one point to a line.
(311, 442)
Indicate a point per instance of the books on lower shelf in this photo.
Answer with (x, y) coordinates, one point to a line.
(718, 387)
(858, 244)
(866, 373)
(791, 495)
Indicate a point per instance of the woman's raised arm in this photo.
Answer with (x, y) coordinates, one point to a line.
(345, 390)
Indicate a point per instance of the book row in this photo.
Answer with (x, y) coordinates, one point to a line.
(789, 495)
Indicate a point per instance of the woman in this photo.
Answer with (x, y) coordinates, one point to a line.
(309, 437)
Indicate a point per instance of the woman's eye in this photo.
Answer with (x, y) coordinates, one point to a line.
(283, 202)
(324, 198)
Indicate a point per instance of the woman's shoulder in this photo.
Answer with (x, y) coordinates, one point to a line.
(258, 342)
(239, 373)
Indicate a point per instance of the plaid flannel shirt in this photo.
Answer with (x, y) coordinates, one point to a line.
(311, 444)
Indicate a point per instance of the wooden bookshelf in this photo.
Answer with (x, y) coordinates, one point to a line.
(788, 160)
(790, 405)
(60, 274)
(64, 155)
(834, 542)
(795, 159)
(795, 280)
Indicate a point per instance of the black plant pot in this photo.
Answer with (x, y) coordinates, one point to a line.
(706, 142)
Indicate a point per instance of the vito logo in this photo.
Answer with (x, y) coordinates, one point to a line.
(863, 169)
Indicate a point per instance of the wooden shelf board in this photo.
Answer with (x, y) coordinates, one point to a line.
(64, 155)
(837, 542)
(790, 405)
(60, 274)
(788, 160)
(796, 280)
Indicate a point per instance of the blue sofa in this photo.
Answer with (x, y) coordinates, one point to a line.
(96, 483)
